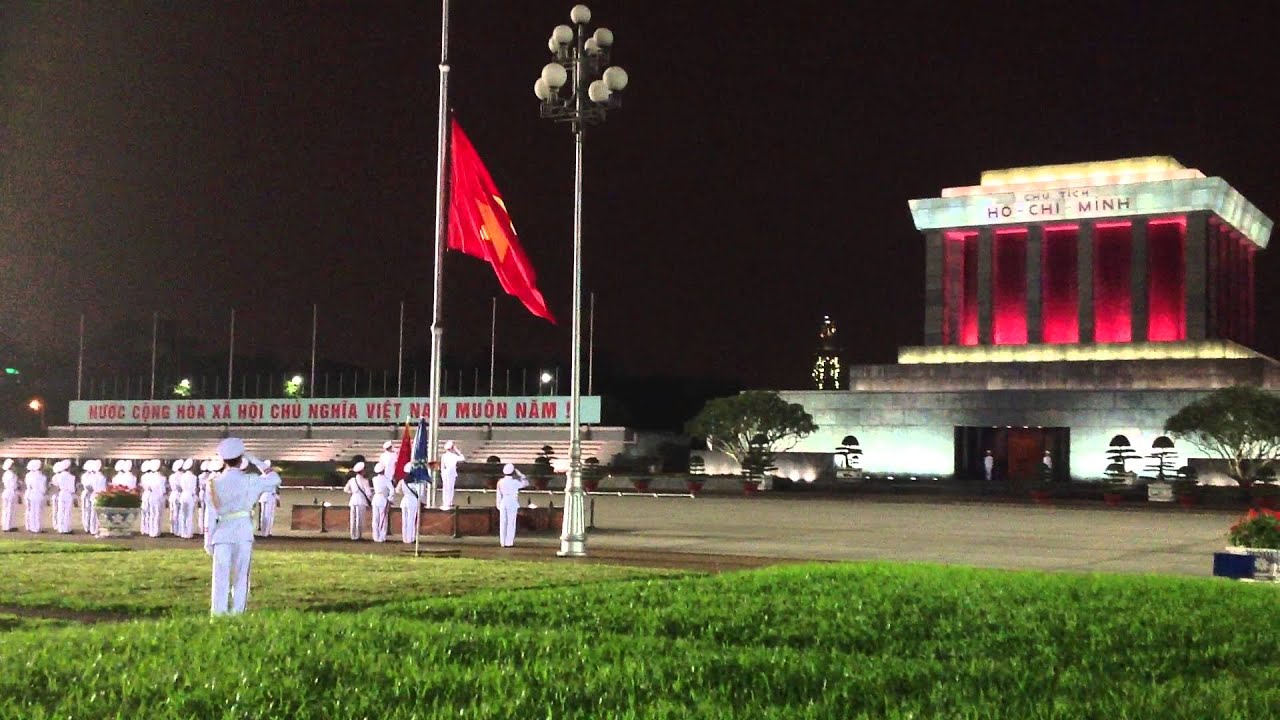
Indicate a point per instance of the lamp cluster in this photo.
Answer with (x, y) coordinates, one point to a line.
(580, 63)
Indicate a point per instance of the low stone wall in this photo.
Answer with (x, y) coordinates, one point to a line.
(453, 523)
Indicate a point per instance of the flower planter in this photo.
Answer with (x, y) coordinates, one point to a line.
(693, 486)
(117, 522)
(1270, 502)
(750, 487)
(1112, 499)
(640, 483)
(1042, 497)
(1188, 501)
(591, 485)
(491, 483)
(541, 483)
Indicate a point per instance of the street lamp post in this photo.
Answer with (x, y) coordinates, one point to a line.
(37, 406)
(579, 66)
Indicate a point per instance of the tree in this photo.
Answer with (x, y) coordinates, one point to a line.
(1240, 425)
(730, 424)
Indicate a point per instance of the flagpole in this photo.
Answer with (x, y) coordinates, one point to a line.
(493, 341)
(231, 352)
(591, 344)
(155, 322)
(400, 354)
(80, 361)
(441, 228)
(315, 313)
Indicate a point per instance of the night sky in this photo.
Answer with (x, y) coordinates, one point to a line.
(190, 157)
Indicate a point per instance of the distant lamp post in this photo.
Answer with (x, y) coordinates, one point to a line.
(580, 67)
(37, 406)
(293, 387)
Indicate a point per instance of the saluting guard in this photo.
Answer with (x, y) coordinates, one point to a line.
(509, 503)
(175, 491)
(35, 485)
(8, 497)
(232, 494)
(449, 473)
(359, 489)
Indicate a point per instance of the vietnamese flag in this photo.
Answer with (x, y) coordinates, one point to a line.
(480, 226)
(404, 455)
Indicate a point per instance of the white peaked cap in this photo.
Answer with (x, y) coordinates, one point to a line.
(8, 463)
(34, 465)
(177, 464)
(508, 469)
(126, 465)
(215, 465)
(408, 466)
(386, 445)
(61, 465)
(448, 444)
(380, 467)
(357, 467)
(97, 465)
(231, 448)
(204, 466)
(266, 465)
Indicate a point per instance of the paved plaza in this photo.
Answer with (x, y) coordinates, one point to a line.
(724, 532)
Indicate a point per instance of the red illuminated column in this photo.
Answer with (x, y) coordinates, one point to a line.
(984, 286)
(1197, 302)
(1084, 281)
(1035, 261)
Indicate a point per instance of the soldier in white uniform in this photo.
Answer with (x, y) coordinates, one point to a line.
(159, 484)
(359, 489)
(144, 483)
(382, 489)
(202, 495)
(387, 458)
(232, 494)
(509, 503)
(124, 477)
(94, 482)
(410, 503)
(175, 490)
(269, 501)
(188, 491)
(64, 483)
(988, 464)
(449, 473)
(9, 498)
(35, 484)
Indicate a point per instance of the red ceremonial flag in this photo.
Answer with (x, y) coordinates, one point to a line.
(404, 455)
(480, 226)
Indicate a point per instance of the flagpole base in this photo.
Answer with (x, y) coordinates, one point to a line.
(573, 537)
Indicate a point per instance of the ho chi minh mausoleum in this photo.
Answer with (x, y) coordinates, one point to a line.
(1064, 305)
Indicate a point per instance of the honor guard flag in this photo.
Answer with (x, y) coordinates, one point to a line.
(480, 226)
(403, 456)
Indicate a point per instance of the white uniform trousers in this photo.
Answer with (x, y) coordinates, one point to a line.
(409, 522)
(379, 517)
(230, 573)
(267, 516)
(8, 506)
(357, 519)
(65, 505)
(157, 513)
(450, 479)
(86, 509)
(186, 516)
(174, 504)
(92, 527)
(507, 524)
(34, 512)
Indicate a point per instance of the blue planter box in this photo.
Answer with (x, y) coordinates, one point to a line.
(1231, 565)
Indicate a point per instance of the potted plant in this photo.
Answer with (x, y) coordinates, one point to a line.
(1258, 534)
(118, 510)
(757, 461)
(592, 473)
(541, 475)
(645, 465)
(1042, 488)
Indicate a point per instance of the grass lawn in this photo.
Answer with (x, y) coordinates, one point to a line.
(810, 641)
(164, 582)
